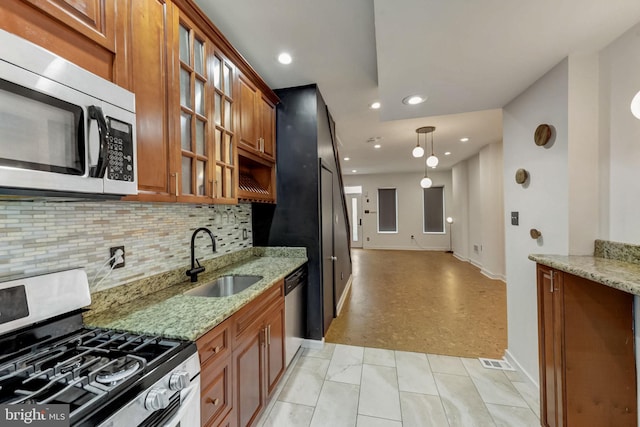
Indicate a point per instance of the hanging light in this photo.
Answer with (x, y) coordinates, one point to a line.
(432, 160)
(418, 151)
(426, 181)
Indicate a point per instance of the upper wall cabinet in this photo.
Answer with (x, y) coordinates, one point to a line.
(149, 61)
(257, 117)
(197, 98)
(204, 118)
(86, 32)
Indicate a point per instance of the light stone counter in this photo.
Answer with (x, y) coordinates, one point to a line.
(616, 265)
(167, 312)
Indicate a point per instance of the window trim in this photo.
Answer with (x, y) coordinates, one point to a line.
(378, 209)
(444, 226)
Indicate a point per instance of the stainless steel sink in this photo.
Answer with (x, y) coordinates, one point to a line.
(224, 286)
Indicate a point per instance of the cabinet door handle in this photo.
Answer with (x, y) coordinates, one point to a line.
(269, 335)
(215, 349)
(213, 401)
(176, 177)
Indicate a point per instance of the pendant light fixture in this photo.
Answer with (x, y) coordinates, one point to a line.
(426, 182)
(418, 151)
(432, 160)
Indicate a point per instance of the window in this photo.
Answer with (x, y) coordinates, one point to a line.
(433, 210)
(387, 210)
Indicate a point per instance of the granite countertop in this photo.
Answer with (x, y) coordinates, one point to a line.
(618, 274)
(169, 313)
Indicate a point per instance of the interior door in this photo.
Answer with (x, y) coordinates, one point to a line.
(354, 203)
(328, 258)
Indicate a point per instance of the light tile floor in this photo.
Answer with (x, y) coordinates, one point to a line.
(350, 386)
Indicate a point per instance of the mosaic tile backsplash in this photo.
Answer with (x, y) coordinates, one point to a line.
(44, 235)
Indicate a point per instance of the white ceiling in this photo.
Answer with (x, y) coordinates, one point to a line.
(470, 57)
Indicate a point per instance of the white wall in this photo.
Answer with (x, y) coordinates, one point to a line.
(620, 134)
(475, 210)
(478, 203)
(410, 220)
(583, 153)
(542, 203)
(460, 184)
(492, 208)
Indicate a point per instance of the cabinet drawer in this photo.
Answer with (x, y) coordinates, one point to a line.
(253, 311)
(215, 397)
(215, 343)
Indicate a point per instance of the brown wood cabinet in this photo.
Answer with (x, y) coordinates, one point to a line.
(86, 32)
(186, 78)
(214, 349)
(150, 63)
(242, 360)
(586, 352)
(258, 355)
(257, 121)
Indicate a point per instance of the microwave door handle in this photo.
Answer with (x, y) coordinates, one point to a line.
(95, 113)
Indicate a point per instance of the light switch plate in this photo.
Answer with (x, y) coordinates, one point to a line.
(515, 216)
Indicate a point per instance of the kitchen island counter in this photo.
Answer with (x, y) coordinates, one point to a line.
(168, 312)
(613, 264)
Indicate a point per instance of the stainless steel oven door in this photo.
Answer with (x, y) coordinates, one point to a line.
(189, 413)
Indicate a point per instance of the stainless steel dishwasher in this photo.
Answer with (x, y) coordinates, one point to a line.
(295, 310)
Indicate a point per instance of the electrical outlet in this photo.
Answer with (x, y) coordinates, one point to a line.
(112, 252)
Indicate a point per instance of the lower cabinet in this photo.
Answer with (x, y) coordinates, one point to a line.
(242, 360)
(586, 352)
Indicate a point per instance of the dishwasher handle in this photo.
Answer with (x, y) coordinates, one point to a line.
(294, 279)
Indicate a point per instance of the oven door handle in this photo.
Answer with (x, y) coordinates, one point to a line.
(188, 414)
(95, 113)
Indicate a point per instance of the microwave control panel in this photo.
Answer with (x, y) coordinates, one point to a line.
(120, 147)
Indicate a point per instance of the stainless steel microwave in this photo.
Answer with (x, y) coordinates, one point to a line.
(63, 130)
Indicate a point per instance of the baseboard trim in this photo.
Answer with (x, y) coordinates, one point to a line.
(405, 248)
(313, 344)
(344, 295)
(514, 362)
(460, 257)
(490, 275)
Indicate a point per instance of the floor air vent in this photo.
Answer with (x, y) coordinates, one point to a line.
(496, 364)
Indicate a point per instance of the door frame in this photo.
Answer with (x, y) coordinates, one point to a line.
(326, 322)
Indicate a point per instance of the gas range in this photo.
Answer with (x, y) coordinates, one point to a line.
(106, 377)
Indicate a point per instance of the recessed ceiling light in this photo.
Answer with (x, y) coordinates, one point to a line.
(465, 139)
(377, 146)
(375, 105)
(284, 58)
(447, 153)
(353, 170)
(414, 99)
(346, 159)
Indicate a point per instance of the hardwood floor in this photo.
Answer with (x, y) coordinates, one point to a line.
(422, 301)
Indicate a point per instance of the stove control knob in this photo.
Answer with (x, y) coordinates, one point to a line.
(179, 380)
(157, 398)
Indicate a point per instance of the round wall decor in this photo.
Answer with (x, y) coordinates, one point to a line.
(535, 234)
(521, 176)
(542, 135)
